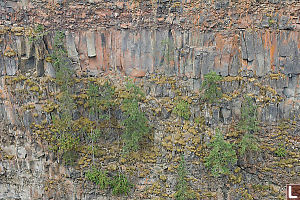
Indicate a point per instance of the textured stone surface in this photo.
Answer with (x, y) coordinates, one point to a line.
(254, 45)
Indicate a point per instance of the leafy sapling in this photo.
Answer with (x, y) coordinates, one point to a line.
(211, 87)
(220, 156)
(183, 192)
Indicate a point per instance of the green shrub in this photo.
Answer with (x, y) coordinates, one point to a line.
(280, 151)
(135, 122)
(182, 188)
(38, 33)
(248, 143)
(70, 157)
(61, 63)
(120, 185)
(93, 102)
(100, 99)
(248, 122)
(220, 156)
(99, 177)
(211, 87)
(182, 109)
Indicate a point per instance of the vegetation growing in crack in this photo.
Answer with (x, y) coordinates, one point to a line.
(211, 87)
(98, 177)
(182, 189)
(120, 185)
(280, 150)
(182, 109)
(248, 122)
(135, 122)
(61, 63)
(248, 143)
(220, 156)
(248, 125)
(66, 139)
(100, 99)
(38, 33)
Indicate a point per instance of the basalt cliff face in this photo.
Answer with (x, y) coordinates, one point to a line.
(166, 47)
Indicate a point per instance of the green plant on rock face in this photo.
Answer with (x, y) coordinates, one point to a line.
(280, 151)
(183, 192)
(67, 140)
(120, 185)
(211, 87)
(93, 137)
(61, 62)
(182, 109)
(38, 33)
(220, 156)
(135, 122)
(248, 143)
(93, 101)
(99, 177)
(107, 97)
(100, 99)
(248, 122)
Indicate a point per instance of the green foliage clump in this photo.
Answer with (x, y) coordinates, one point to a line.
(135, 122)
(182, 109)
(100, 99)
(99, 177)
(67, 140)
(248, 143)
(211, 86)
(120, 185)
(61, 62)
(183, 192)
(280, 151)
(38, 33)
(221, 155)
(248, 122)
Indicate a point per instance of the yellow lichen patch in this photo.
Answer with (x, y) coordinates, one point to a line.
(9, 157)
(29, 31)
(28, 106)
(48, 59)
(252, 79)
(226, 97)
(3, 29)
(17, 30)
(83, 123)
(34, 88)
(232, 78)
(18, 78)
(49, 107)
(9, 52)
(277, 76)
(29, 82)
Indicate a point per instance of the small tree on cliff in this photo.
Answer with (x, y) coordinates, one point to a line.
(248, 125)
(221, 155)
(135, 122)
(211, 87)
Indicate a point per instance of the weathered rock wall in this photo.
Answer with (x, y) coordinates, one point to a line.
(30, 170)
(168, 48)
(267, 61)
